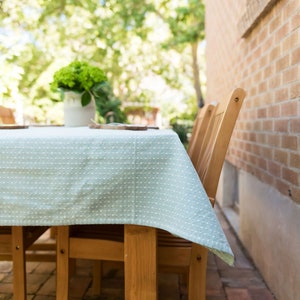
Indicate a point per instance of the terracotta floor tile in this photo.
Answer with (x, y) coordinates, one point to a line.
(237, 294)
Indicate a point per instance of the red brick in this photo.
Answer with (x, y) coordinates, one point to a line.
(274, 168)
(267, 125)
(281, 33)
(261, 138)
(290, 176)
(280, 156)
(262, 162)
(291, 41)
(258, 76)
(274, 54)
(282, 94)
(289, 142)
(263, 61)
(290, 9)
(295, 90)
(262, 113)
(263, 35)
(274, 24)
(257, 126)
(290, 74)
(296, 56)
(266, 46)
(252, 137)
(275, 81)
(281, 125)
(282, 187)
(282, 63)
(289, 109)
(248, 147)
(295, 193)
(273, 111)
(266, 151)
(263, 87)
(273, 140)
(268, 71)
(295, 125)
(295, 23)
(294, 161)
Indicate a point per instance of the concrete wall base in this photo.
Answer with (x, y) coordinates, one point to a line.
(269, 228)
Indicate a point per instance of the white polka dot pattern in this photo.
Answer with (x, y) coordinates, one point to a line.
(65, 176)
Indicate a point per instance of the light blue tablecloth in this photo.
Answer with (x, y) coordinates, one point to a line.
(65, 176)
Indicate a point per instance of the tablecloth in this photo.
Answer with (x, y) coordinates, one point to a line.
(65, 176)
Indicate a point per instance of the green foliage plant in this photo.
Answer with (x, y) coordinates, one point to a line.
(82, 78)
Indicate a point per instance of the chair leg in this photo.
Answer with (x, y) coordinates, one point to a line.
(140, 247)
(19, 265)
(197, 273)
(97, 277)
(53, 232)
(62, 266)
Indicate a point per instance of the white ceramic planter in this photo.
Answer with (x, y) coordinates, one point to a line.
(74, 113)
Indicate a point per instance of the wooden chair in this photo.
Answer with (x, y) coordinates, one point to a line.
(179, 254)
(216, 140)
(174, 254)
(6, 115)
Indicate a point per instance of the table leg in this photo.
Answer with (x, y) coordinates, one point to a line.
(19, 265)
(197, 272)
(140, 248)
(62, 266)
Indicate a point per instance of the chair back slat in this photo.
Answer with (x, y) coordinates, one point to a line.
(199, 129)
(212, 155)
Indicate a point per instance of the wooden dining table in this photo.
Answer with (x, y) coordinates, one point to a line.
(60, 176)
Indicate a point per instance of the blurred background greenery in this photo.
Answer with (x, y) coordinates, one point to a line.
(151, 50)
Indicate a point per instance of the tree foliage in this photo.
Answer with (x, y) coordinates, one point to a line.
(148, 49)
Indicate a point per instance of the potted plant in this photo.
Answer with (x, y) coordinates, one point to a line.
(80, 85)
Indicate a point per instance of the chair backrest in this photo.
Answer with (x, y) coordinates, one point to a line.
(217, 138)
(199, 129)
(6, 115)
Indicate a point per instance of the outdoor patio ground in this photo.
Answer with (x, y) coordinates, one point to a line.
(241, 282)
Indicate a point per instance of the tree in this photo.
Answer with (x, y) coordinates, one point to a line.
(133, 41)
(187, 27)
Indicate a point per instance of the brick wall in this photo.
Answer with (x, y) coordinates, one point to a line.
(266, 63)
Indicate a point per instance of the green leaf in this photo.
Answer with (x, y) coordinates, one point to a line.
(85, 98)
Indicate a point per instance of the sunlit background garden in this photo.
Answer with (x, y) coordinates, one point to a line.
(152, 52)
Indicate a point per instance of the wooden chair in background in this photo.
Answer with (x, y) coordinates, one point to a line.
(6, 115)
(174, 254)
